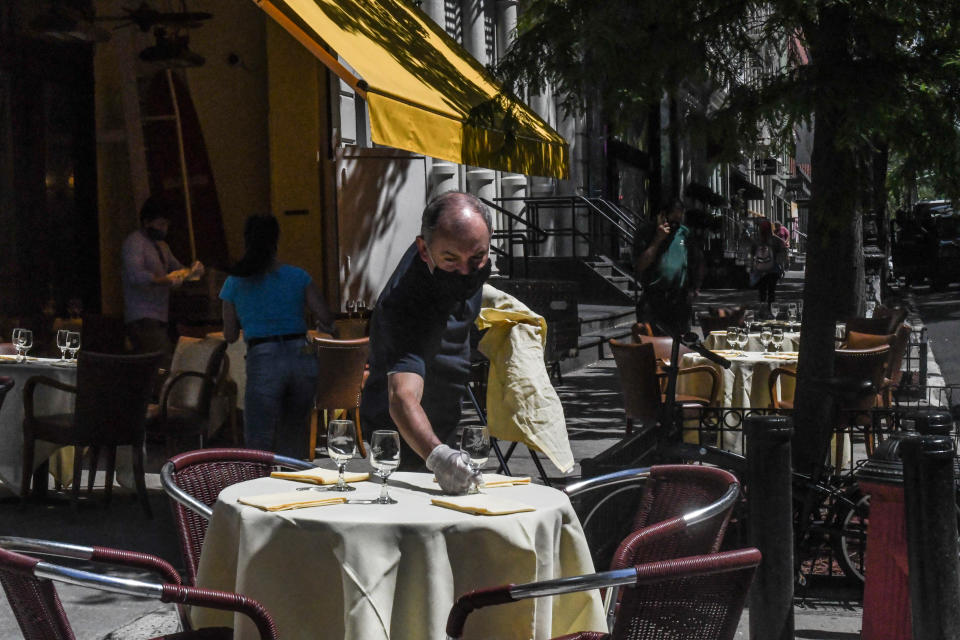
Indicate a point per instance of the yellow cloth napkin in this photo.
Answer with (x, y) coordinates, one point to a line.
(481, 504)
(319, 476)
(291, 500)
(498, 480)
(779, 356)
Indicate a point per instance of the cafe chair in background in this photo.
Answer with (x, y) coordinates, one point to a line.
(6, 383)
(352, 328)
(642, 384)
(641, 329)
(779, 400)
(194, 479)
(112, 393)
(340, 377)
(662, 348)
(867, 365)
(658, 512)
(696, 598)
(29, 586)
(197, 397)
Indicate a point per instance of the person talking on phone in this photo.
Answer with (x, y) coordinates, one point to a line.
(667, 267)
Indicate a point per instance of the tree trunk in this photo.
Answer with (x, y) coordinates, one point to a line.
(834, 246)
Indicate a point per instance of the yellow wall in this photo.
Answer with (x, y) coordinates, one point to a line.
(298, 132)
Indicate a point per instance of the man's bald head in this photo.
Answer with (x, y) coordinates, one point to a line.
(454, 212)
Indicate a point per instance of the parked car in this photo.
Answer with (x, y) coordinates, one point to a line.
(927, 245)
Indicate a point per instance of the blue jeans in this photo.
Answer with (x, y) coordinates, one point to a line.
(281, 383)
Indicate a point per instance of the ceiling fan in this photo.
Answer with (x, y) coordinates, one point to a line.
(66, 22)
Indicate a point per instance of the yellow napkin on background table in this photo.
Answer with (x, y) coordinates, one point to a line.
(498, 480)
(481, 504)
(779, 356)
(319, 476)
(291, 500)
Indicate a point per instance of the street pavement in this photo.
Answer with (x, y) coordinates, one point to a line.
(593, 407)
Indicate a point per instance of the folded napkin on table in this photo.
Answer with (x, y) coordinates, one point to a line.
(499, 480)
(481, 504)
(779, 356)
(319, 476)
(291, 500)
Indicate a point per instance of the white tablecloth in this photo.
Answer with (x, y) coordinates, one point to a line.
(370, 572)
(47, 401)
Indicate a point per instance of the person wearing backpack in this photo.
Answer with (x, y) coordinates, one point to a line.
(668, 270)
(769, 255)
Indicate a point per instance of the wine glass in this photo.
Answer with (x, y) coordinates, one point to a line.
(774, 310)
(361, 307)
(733, 337)
(475, 441)
(62, 344)
(748, 318)
(385, 458)
(73, 343)
(351, 307)
(792, 311)
(765, 337)
(15, 339)
(341, 446)
(776, 336)
(742, 338)
(23, 340)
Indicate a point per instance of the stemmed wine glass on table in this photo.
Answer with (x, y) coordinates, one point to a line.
(766, 336)
(62, 344)
(22, 340)
(733, 337)
(776, 337)
(774, 310)
(742, 338)
(385, 458)
(351, 306)
(341, 446)
(73, 343)
(475, 441)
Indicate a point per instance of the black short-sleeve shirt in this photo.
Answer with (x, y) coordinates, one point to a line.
(413, 330)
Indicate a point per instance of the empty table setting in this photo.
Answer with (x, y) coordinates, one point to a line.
(345, 565)
(48, 401)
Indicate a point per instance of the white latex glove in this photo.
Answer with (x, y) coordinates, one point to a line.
(452, 468)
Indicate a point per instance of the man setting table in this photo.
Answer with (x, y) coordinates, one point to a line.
(420, 338)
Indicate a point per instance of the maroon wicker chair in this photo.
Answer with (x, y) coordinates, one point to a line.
(683, 510)
(28, 583)
(194, 479)
(695, 598)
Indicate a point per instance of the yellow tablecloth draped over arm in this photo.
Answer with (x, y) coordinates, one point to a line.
(522, 405)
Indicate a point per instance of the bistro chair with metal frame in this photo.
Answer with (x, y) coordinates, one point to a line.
(29, 586)
(194, 479)
(695, 598)
(112, 393)
(681, 510)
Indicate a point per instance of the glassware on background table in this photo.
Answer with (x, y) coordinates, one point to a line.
(361, 307)
(476, 442)
(733, 337)
(73, 343)
(341, 446)
(742, 338)
(765, 337)
(792, 312)
(385, 458)
(23, 341)
(62, 345)
(351, 307)
(774, 310)
(776, 336)
(748, 318)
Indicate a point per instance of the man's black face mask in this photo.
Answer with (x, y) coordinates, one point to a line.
(155, 234)
(460, 287)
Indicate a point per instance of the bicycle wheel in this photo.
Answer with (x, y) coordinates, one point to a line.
(850, 540)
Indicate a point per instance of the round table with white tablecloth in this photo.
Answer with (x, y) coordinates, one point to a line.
(371, 572)
(47, 401)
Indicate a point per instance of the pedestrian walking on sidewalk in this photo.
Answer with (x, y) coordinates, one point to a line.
(668, 267)
(769, 259)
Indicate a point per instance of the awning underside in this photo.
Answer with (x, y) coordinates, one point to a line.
(421, 86)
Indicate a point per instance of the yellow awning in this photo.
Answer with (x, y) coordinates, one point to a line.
(420, 85)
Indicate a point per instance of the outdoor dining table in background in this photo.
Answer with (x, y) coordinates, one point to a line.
(372, 572)
(47, 401)
(717, 340)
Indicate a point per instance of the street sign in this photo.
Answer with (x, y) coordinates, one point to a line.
(765, 166)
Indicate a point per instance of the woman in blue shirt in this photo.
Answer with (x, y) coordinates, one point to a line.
(268, 299)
